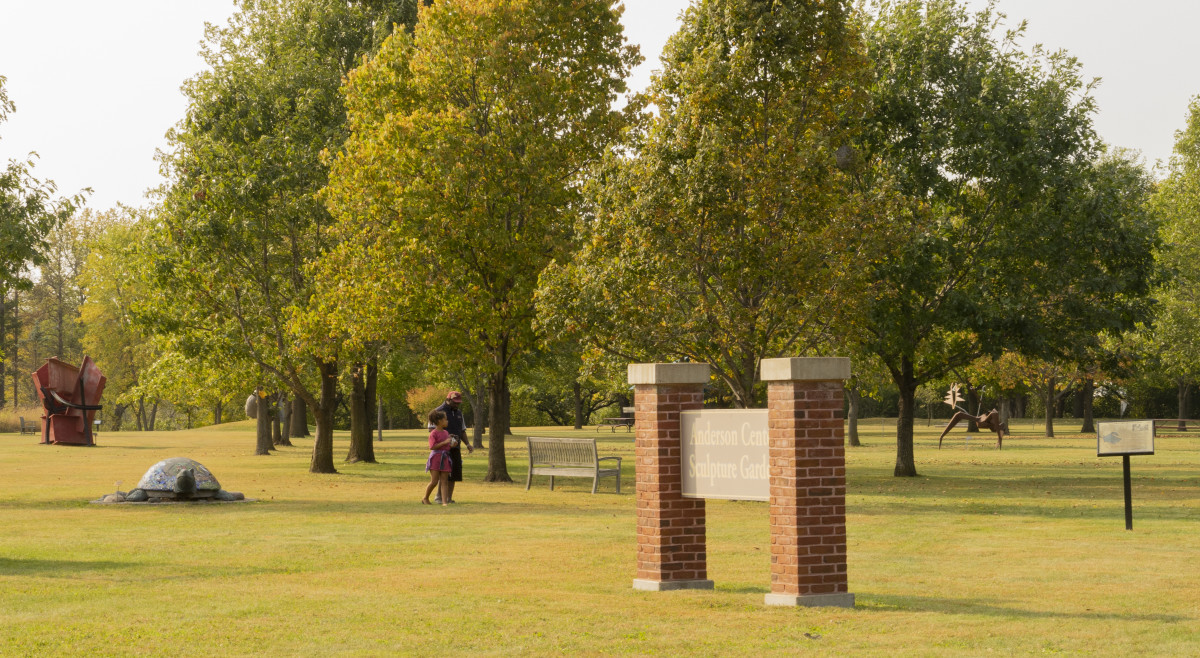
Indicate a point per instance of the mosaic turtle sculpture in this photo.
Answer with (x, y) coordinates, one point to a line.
(176, 479)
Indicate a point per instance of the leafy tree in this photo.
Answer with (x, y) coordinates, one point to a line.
(59, 292)
(868, 379)
(240, 217)
(1054, 380)
(729, 234)
(1015, 235)
(29, 211)
(929, 395)
(118, 345)
(565, 387)
(1172, 340)
(462, 176)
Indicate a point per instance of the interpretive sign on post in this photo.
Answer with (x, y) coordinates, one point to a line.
(725, 454)
(1134, 437)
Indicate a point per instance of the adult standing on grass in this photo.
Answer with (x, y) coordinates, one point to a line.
(457, 428)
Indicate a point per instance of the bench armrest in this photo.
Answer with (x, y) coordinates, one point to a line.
(603, 458)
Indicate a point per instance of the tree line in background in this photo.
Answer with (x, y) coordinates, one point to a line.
(370, 202)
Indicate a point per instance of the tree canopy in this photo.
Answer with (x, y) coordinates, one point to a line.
(240, 217)
(729, 234)
(29, 210)
(460, 180)
(1015, 235)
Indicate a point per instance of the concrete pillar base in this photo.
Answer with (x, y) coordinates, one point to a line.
(839, 600)
(670, 585)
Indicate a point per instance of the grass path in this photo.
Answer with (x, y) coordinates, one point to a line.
(1021, 551)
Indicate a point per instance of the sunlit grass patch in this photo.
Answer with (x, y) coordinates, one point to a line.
(1016, 551)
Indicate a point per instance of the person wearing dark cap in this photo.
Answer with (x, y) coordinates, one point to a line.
(457, 428)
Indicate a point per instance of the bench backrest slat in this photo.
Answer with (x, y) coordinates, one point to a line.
(546, 451)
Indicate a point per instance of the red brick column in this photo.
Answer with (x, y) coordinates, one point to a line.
(808, 481)
(671, 551)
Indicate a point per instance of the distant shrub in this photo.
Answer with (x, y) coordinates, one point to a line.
(425, 399)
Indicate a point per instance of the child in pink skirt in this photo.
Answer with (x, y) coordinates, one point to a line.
(438, 463)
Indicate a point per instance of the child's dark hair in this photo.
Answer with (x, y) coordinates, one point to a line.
(435, 416)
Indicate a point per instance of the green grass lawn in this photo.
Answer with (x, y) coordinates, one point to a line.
(1021, 551)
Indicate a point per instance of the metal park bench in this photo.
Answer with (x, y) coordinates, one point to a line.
(30, 427)
(625, 421)
(567, 458)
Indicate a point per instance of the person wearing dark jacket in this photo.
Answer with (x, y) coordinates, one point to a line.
(457, 428)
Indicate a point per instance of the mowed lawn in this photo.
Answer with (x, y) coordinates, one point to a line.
(1019, 551)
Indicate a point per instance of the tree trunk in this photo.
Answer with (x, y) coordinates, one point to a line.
(3, 341)
(853, 396)
(299, 418)
(276, 430)
(59, 313)
(153, 415)
(361, 449)
(217, 413)
(905, 463)
(263, 442)
(381, 419)
(973, 402)
(1087, 394)
(478, 398)
(284, 417)
(141, 414)
(16, 306)
(322, 457)
(1050, 400)
(577, 398)
(1182, 387)
(498, 410)
(117, 416)
(372, 394)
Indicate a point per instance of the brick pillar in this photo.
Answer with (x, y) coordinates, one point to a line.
(808, 481)
(671, 551)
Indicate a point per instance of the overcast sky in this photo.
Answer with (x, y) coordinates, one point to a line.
(96, 83)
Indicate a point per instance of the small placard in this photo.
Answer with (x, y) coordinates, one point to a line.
(1135, 437)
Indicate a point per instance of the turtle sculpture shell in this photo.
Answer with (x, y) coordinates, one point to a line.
(159, 481)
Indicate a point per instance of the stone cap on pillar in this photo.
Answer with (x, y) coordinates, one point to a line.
(804, 369)
(668, 373)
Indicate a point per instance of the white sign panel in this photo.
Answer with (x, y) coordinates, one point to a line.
(1135, 437)
(725, 454)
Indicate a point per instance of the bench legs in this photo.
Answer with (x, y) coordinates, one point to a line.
(551, 483)
(529, 479)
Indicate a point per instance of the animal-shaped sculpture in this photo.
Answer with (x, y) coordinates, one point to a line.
(988, 421)
(178, 478)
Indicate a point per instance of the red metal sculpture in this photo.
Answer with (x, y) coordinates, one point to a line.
(70, 399)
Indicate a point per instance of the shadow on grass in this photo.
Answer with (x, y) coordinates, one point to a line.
(890, 603)
(64, 568)
(743, 589)
(465, 504)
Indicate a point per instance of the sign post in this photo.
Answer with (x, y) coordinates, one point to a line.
(1128, 494)
(1123, 439)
